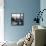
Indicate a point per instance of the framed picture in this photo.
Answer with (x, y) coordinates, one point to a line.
(17, 19)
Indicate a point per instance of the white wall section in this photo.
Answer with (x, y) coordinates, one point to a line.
(1, 20)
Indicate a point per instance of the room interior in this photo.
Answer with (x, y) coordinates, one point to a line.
(17, 25)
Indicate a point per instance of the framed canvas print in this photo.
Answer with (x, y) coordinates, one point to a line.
(17, 19)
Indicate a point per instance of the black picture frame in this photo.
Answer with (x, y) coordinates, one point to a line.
(17, 19)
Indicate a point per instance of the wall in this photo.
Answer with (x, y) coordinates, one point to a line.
(1, 20)
(43, 6)
(29, 8)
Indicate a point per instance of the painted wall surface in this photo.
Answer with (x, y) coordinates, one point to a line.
(29, 8)
(1, 20)
(43, 6)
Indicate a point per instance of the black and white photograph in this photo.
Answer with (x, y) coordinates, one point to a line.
(17, 19)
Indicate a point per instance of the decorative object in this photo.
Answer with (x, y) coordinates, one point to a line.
(39, 16)
(26, 41)
(17, 19)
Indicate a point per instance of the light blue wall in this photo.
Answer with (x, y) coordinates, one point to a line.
(43, 6)
(29, 8)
